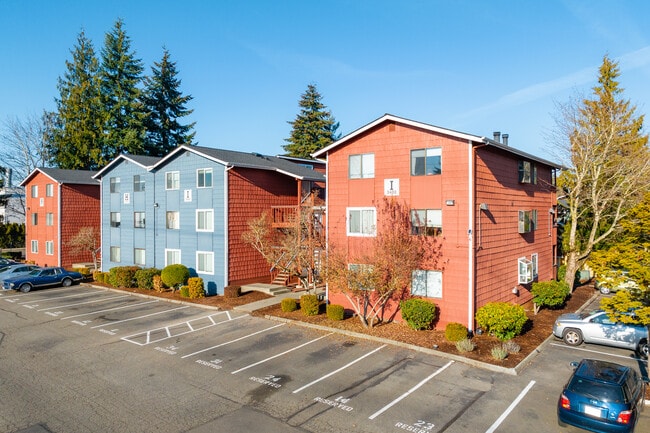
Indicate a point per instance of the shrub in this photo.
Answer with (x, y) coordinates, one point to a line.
(175, 275)
(195, 288)
(158, 285)
(288, 305)
(232, 292)
(309, 305)
(335, 312)
(418, 313)
(184, 291)
(498, 352)
(455, 332)
(502, 319)
(122, 276)
(465, 345)
(144, 278)
(84, 271)
(98, 276)
(551, 294)
(511, 347)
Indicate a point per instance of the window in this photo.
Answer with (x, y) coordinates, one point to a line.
(533, 219)
(426, 222)
(205, 262)
(172, 257)
(204, 220)
(34, 219)
(114, 184)
(362, 166)
(527, 172)
(425, 162)
(115, 219)
(138, 256)
(49, 219)
(533, 260)
(426, 283)
(524, 224)
(115, 254)
(138, 183)
(49, 190)
(34, 247)
(172, 219)
(34, 191)
(360, 280)
(525, 272)
(204, 178)
(49, 248)
(361, 221)
(138, 220)
(172, 180)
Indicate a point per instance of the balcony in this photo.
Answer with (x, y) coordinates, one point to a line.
(284, 216)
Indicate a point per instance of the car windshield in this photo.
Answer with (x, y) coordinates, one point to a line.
(35, 272)
(596, 390)
(586, 314)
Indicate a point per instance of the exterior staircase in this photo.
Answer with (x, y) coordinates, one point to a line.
(281, 278)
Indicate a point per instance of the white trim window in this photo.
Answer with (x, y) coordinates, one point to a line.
(205, 262)
(49, 190)
(172, 180)
(49, 219)
(533, 260)
(362, 274)
(34, 191)
(524, 270)
(205, 220)
(204, 178)
(426, 222)
(361, 221)
(115, 254)
(138, 183)
(114, 183)
(426, 162)
(139, 256)
(172, 257)
(139, 220)
(49, 248)
(34, 219)
(116, 219)
(172, 218)
(34, 246)
(361, 166)
(427, 284)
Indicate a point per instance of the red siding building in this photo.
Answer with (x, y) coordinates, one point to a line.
(57, 204)
(490, 206)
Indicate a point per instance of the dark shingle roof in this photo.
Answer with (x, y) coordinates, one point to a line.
(60, 175)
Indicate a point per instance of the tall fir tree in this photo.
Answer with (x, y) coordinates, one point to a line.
(165, 105)
(121, 76)
(73, 133)
(314, 127)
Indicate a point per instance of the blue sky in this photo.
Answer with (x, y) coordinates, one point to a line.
(473, 66)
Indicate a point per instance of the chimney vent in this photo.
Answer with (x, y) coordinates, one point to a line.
(497, 136)
(505, 139)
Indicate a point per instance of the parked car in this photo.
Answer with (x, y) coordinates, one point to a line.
(17, 270)
(597, 327)
(601, 396)
(615, 280)
(43, 277)
(6, 262)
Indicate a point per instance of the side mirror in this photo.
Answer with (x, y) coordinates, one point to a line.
(574, 364)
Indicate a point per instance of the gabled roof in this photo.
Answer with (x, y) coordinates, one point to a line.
(63, 176)
(469, 137)
(232, 158)
(146, 162)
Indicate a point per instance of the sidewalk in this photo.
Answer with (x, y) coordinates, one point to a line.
(258, 305)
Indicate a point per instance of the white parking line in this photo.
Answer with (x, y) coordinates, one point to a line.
(280, 354)
(82, 303)
(406, 394)
(635, 358)
(54, 298)
(233, 341)
(142, 317)
(510, 408)
(338, 370)
(108, 309)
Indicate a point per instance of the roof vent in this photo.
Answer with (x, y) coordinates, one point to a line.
(497, 136)
(505, 139)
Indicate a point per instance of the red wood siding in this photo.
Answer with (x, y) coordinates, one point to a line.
(80, 207)
(41, 232)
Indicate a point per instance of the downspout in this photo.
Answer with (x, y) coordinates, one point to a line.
(58, 225)
(470, 237)
(226, 229)
(327, 224)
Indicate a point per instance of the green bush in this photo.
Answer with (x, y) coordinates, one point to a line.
(502, 319)
(335, 312)
(232, 292)
(465, 345)
(455, 331)
(184, 291)
(551, 294)
(84, 271)
(98, 276)
(195, 286)
(418, 313)
(309, 305)
(175, 275)
(144, 278)
(122, 276)
(288, 305)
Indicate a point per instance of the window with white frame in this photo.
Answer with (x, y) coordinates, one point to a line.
(524, 222)
(533, 219)
(138, 183)
(527, 172)
(115, 219)
(34, 246)
(427, 284)
(49, 190)
(172, 219)
(172, 257)
(533, 260)
(361, 221)
(361, 274)
(525, 270)
(115, 254)
(426, 222)
(114, 183)
(49, 219)
(34, 219)
(172, 180)
(426, 162)
(204, 178)
(204, 220)
(139, 256)
(138, 220)
(205, 262)
(34, 191)
(361, 166)
(49, 248)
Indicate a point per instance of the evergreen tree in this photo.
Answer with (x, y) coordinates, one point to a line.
(121, 74)
(165, 105)
(73, 132)
(313, 129)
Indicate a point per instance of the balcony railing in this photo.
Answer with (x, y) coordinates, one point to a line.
(284, 216)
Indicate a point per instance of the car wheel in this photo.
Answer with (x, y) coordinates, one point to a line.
(605, 290)
(572, 337)
(25, 287)
(644, 349)
(66, 282)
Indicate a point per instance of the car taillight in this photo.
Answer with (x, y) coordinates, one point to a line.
(624, 417)
(564, 402)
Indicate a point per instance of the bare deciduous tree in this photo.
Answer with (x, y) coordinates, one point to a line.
(85, 242)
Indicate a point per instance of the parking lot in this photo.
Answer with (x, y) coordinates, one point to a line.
(120, 362)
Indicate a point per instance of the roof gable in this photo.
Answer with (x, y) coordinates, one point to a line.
(146, 162)
(64, 176)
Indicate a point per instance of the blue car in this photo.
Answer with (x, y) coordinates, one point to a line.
(15, 270)
(43, 277)
(602, 397)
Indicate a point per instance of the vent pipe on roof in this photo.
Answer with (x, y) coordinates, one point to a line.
(505, 139)
(497, 136)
